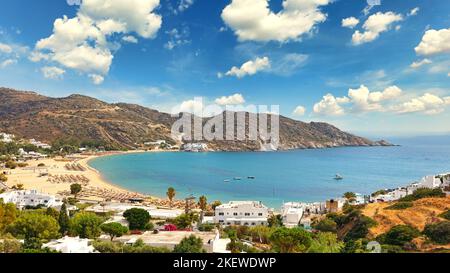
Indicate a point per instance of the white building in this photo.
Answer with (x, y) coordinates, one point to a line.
(7, 138)
(40, 144)
(391, 195)
(245, 213)
(292, 213)
(433, 181)
(71, 245)
(30, 198)
(195, 147)
(31, 154)
(155, 143)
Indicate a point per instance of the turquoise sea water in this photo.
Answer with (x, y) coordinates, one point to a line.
(301, 175)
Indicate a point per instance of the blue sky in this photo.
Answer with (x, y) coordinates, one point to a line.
(301, 56)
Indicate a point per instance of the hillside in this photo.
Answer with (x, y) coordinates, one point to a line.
(121, 125)
(424, 211)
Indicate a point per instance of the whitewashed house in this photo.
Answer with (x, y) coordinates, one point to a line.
(39, 144)
(31, 198)
(71, 245)
(6, 138)
(430, 182)
(195, 147)
(391, 195)
(155, 143)
(245, 213)
(292, 213)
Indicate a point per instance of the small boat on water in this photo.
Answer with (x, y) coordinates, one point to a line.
(227, 180)
(338, 177)
(251, 177)
(237, 178)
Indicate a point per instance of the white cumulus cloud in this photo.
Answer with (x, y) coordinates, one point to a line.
(350, 22)
(374, 26)
(86, 42)
(52, 72)
(235, 99)
(434, 42)
(130, 39)
(249, 68)
(7, 63)
(428, 103)
(420, 63)
(365, 101)
(96, 79)
(252, 20)
(299, 111)
(360, 100)
(5, 48)
(414, 11)
(330, 106)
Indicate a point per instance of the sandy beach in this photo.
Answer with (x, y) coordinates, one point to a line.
(31, 176)
(55, 175)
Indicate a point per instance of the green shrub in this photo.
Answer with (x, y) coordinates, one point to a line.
(206, 227)
(423, 193)
(326, 225)
(399, 235)
(400, 206)
(445, 215)
(438, 233)
(138, 219)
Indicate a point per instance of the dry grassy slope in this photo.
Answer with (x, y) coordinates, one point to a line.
(30, 115)
(423, 212)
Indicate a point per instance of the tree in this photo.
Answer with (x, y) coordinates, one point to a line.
(35, 228)
(325, 242)
(439, 233)
(326, 225)
(171, 195)
(185, 221)
(215, 204)
(399, 235)
(293, 240)
(9, 244)
(86, 225)
(10, 164)
(202, 203)
(275, 221)
(18, 187)
(63, 220)
(359, 228)
(114, 230)
(445, 215)
(350, 196)
(353, 247)
(138, 219)
(3, 177)
(75, 189)
(191, 244)
(8, 214)
(52, 212)
(261, 234)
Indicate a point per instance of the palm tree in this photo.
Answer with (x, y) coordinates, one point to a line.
(171, 195)
(202, 203)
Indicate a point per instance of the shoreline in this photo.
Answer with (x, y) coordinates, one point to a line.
(28, 176)
(55, 178)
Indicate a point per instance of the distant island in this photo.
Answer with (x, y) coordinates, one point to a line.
(122, 126)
